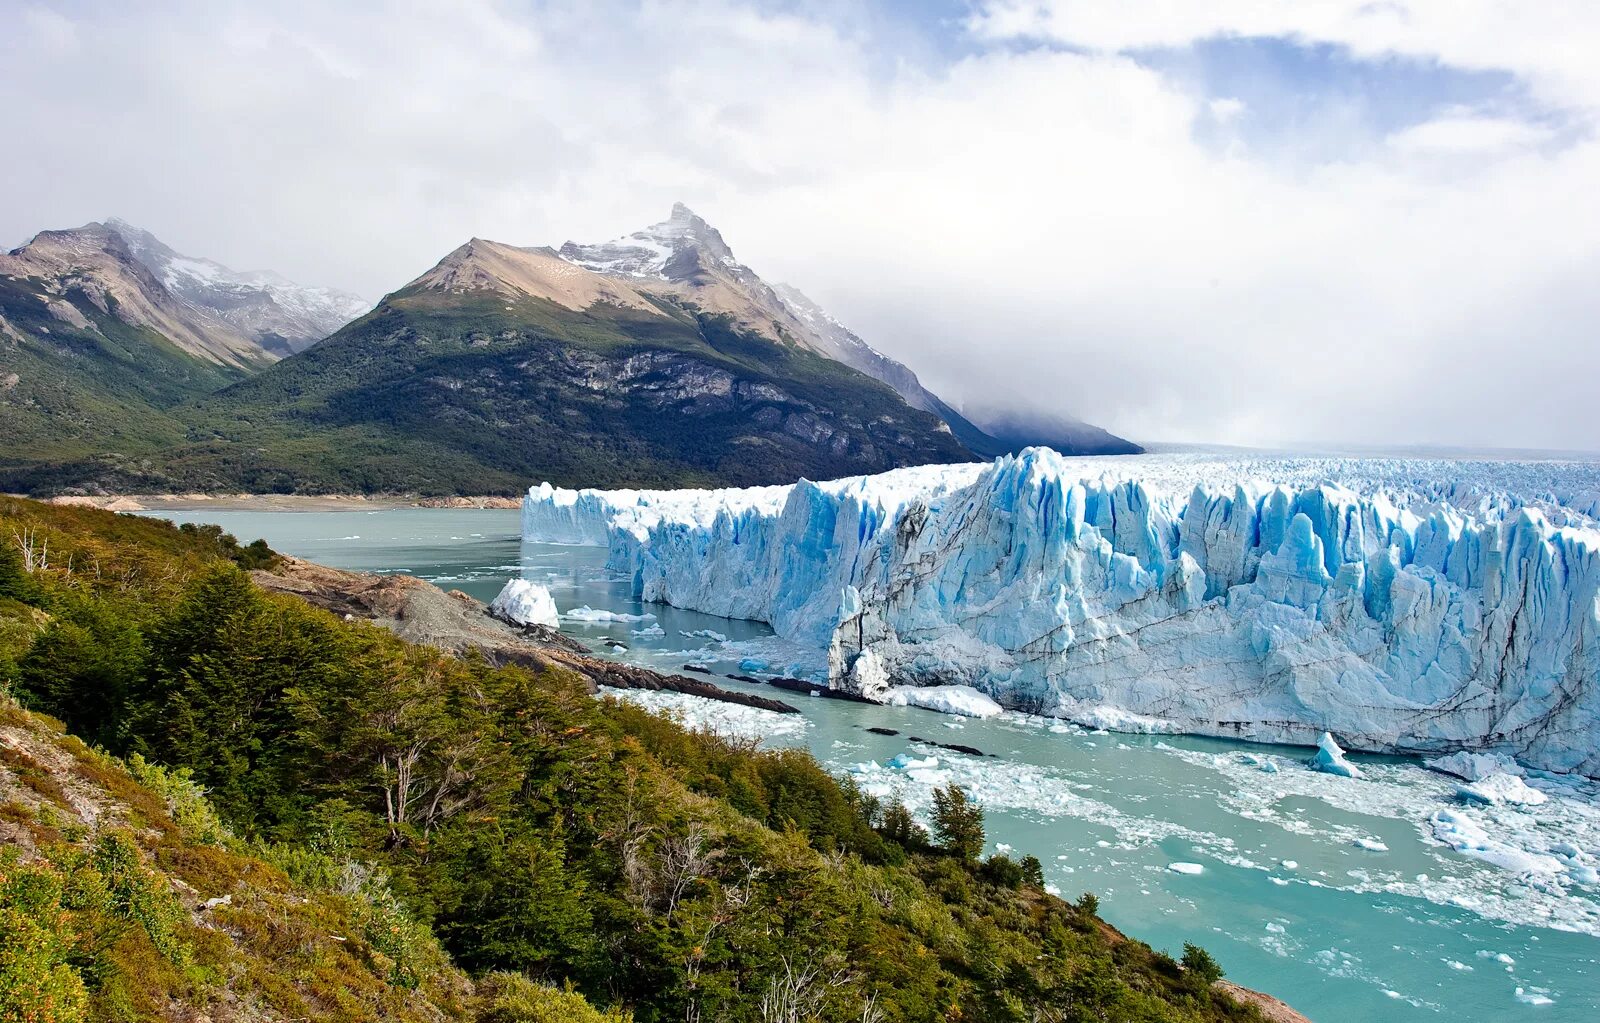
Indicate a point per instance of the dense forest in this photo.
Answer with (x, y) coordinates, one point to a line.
(215, 800)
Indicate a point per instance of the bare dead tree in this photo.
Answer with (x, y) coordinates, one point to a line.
(684, 860)
(797, 992)
(35, 552)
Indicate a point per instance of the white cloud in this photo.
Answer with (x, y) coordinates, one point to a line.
(1226, 108)
(1468, 135)
(1551, 44)
(1023, 223)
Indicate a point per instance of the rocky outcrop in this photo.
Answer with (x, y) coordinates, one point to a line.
(420, 612)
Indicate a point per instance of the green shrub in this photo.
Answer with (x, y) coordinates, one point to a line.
(37, 944)
(513, 998)
(1197, 963)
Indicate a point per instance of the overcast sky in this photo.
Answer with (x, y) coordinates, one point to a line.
(1240, 221)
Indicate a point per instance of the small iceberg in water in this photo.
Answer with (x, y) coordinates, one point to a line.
(1329, 759)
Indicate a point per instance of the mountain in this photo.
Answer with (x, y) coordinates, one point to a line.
(1018, 428)
(281, 316)
(95, 350)
(95, 266)
(686, 257)
(504, 365)
(105, 332)
(656, 359)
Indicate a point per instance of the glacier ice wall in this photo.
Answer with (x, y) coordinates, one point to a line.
(1402, 605)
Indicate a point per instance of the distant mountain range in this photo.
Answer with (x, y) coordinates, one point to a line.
(279, 315)
(654, 359)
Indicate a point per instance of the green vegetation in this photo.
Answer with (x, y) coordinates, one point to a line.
(958, 823)
(463, 394)
(71, 394)
(389, 822)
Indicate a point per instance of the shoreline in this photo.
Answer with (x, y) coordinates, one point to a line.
(277, 502)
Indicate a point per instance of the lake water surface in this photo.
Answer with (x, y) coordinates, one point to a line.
(1330, 893)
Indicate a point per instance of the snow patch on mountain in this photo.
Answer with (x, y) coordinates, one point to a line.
(279, 314)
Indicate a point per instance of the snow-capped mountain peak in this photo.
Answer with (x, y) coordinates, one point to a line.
(671, 250)
(280, 315)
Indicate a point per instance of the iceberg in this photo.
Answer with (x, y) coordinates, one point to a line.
(525, 603)
(1329, 759)
(963, 700)
(599, 616)
(1474, 766)
(1416, 606)
(1499, 788)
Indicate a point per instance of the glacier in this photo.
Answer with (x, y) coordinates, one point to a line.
(1404, 605)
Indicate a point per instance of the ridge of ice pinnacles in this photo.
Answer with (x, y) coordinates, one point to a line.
(1416, 606)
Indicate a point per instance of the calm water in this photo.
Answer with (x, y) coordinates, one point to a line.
(1285, 897)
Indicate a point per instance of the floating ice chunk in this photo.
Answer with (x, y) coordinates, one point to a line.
(589, 614)
(727, 719)
(1534, 996)
(1474, 766)
(1106, 718)
(1498, 788)
(908, 762)
(715, 637)
(963, 700)
(651, 630)
(1186, 868)
(1290, 865)
(1371, 845)
(1466, 836)
(1456, 964)
(1329, 759)
(526, 604)
(1269, 767)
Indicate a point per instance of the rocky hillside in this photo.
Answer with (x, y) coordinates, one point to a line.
(92, 267)
(105, 333)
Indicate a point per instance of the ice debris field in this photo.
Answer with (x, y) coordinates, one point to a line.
(1415, 606)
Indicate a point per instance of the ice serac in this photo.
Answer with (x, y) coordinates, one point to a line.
(1402, 605)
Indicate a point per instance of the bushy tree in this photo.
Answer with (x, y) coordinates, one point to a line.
(1002, 871)
(958, 823)
(902, 828)
(15, 583)
(1032, 871)
(1197, 963)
